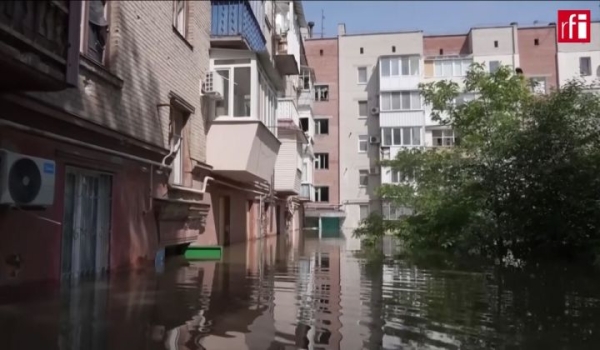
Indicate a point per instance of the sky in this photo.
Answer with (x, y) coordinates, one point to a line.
(434, 17)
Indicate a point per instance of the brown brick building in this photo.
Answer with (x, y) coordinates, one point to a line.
(128, 103)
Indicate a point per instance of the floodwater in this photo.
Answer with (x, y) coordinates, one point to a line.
(305, 294)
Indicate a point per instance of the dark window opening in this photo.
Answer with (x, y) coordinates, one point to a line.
(362, 50)
(306, 83)
(536, 42)
(519, 71)
(495, 43)
(304, 124)
(321, 160)
(322, 126)
(322, 194)
(321, 52)
(393, 48)
(441, 52)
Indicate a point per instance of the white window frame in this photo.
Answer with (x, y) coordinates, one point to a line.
(319, 161)
(400, 143)
(541, 86)
(397, 177)
(261, 84)
(318, 122)
(490, 65)
(365, 139)
(439, 71)
(180, 19)
(363, 174)
(589, 67)
(358, 70)
(447, 134)
(367, 106)
(318, 194)
(319, 91)
(392, 94)
(396, 62)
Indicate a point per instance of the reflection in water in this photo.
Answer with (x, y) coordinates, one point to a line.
(305, 294)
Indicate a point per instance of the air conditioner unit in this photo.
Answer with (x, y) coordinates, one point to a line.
(374, 171)
(25, 180)
(375, 111)
(374, 140)
(214, 85)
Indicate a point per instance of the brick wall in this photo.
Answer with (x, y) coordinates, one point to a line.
(326, 72)
(146, 60)
(450, 44)
(538, 60)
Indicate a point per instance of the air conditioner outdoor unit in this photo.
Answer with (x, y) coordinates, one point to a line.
(25, 180)
(374, 140)
(375, 111)
(374, 171)
(214, 85)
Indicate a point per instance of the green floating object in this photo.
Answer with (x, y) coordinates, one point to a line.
(204, 253)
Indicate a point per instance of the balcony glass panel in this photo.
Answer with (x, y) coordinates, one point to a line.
(241, 92)
(236, 18)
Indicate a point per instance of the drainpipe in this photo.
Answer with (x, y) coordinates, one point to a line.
(80, 143)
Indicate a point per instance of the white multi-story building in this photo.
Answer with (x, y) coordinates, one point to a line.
(378, 72)
(581, 61)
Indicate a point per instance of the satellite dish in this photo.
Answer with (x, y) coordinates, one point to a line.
(25, 181)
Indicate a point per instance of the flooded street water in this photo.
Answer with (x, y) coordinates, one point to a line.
(274, 294)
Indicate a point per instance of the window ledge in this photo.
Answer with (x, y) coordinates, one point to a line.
(185, 41)
(100, 71)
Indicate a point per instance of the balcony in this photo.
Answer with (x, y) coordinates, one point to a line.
(307, 193)
(244, 150)
(234, 26)
(288, 119)
(39, 44)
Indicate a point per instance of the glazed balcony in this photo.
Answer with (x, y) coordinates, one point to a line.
(39, 44)
(307, 192)
(235, 26)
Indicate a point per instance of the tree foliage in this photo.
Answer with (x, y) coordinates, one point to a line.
(524, 179)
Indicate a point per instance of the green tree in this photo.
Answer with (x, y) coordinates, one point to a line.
(524, 179)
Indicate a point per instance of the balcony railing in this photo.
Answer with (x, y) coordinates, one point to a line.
(35, 47)
(286, 110)
(236, 18)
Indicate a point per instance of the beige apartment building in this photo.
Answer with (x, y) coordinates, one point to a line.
(381, 110)
(581, 61)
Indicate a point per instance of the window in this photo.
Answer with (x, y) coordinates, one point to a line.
(363, 178)
(495, 43)
(401, 177)
(407, 136)
(304, 124)
(321, 160)
(451, 68)
(362, 51)
(321, 194)
(321, 126)
(441, 52)
(364, 211)
(362, 75)
(321, 52)
(393, 48)
(222, 105)
(180, 17)
(178, 145)
(538, 85)
(396, 66)
(241, 92)
(585, 66)
(392, 212)
(494, 66)
(536, 41)
(444, 138)
(95, 30)
(400, 100)
(363, 143)
(363, 109)
(321, 92)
